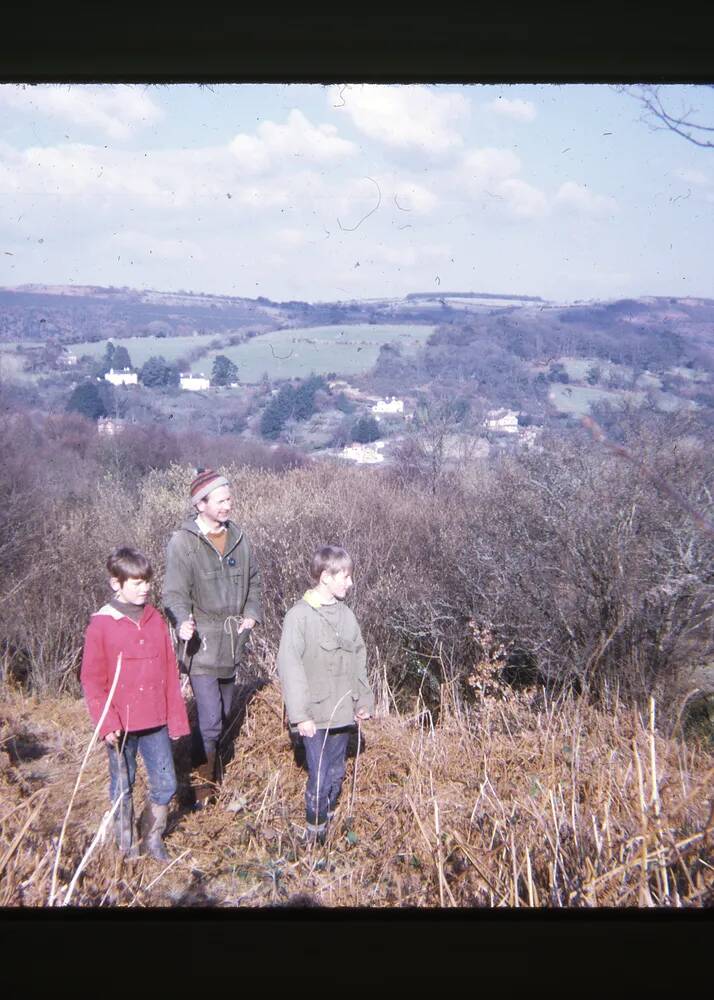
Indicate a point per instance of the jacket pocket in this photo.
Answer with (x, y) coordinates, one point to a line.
(319, 700)
(209, 589)
(334, 656)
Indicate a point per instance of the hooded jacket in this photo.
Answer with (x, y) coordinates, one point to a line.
(322, 665)
(148, 690)
(217, 590)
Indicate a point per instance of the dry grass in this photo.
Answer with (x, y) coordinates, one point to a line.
(519, 802)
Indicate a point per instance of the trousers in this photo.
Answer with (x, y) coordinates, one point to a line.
(214, 698)
(325, 753)
(154, 746)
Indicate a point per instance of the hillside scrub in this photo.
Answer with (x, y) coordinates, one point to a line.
(534, 626)
(585, 573)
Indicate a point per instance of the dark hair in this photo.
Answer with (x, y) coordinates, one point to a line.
(125, 562)
(331, 558)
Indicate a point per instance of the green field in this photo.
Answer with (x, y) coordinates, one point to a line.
(692, 374)
(577, 399)
(142, 348)
(343, 349)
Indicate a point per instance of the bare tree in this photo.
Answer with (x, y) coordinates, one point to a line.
(659, 112)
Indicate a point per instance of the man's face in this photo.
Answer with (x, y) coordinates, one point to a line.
(216, 507)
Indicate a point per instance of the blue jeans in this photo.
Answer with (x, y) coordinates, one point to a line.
(325, 753)
(154, 746)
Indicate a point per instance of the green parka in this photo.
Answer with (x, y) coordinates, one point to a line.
(217, 590)
(322, 666)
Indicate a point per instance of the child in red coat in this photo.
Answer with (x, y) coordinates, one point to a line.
(146, 708)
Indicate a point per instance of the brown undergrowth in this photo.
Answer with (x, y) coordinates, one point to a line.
(519, 801)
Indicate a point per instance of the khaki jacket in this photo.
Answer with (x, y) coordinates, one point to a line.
(217, 590)
(322, 667)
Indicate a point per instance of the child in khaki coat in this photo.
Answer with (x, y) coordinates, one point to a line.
(322, 669)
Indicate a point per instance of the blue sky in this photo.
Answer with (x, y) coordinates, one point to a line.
(318, 193)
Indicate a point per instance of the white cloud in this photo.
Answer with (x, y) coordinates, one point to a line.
(298, 137)
(406, 256)
(115, 109)
(484, 167)
(489, 175)
(163, 249)
(413, 197)
(356, 200)
(169, 179)
(579, 199)
(290, 237)
(693, 177)
(520, 111)
(522, 200)
(403, 116)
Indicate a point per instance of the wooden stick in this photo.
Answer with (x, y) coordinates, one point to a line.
(107, 703)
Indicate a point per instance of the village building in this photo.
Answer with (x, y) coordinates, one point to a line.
(392, 405)
(195, 383)
(364, 454)
(109, 426)
(124, 377)
(502, 420)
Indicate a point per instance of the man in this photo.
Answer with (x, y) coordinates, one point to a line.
(212, 597)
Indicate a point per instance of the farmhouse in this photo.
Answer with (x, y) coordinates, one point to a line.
(502, 420)
(195, 383)
(364, 454)
(124, 377)
(109, 426)
(392, 405)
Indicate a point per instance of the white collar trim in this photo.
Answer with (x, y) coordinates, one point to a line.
(205, 529)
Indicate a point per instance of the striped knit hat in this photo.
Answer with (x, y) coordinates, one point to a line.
(205, 481)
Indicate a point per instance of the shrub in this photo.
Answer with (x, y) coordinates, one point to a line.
(574, 559)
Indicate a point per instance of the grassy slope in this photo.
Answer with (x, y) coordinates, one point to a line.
(347, 349)
(526, 803)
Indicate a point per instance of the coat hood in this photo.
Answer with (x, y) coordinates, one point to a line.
(112, 612)
(190, 525)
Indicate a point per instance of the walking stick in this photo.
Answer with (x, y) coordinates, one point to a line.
(185, 683)
(354, 774)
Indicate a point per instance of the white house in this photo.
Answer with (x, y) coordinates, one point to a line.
(392, 405)
(195, 383)
(124, 377)
(502, 420)
(364, 454)
(109, 426)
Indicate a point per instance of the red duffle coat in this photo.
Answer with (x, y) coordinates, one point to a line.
(148, 690)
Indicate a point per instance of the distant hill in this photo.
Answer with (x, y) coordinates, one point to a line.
(77, 313)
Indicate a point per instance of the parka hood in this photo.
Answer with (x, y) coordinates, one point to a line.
(112, 612)
(190, 525)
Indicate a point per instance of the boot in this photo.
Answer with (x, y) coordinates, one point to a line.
(205, 787)
(124, 830)
(153, 824)
(315, 834)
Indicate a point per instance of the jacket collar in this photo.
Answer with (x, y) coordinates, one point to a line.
(110, 611)
(234, 532)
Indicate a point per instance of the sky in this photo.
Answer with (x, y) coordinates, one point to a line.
(330, 192)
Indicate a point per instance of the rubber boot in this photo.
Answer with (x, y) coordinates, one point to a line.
(315, 834)
(153, 824)
(205, 786)
(124, 830)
